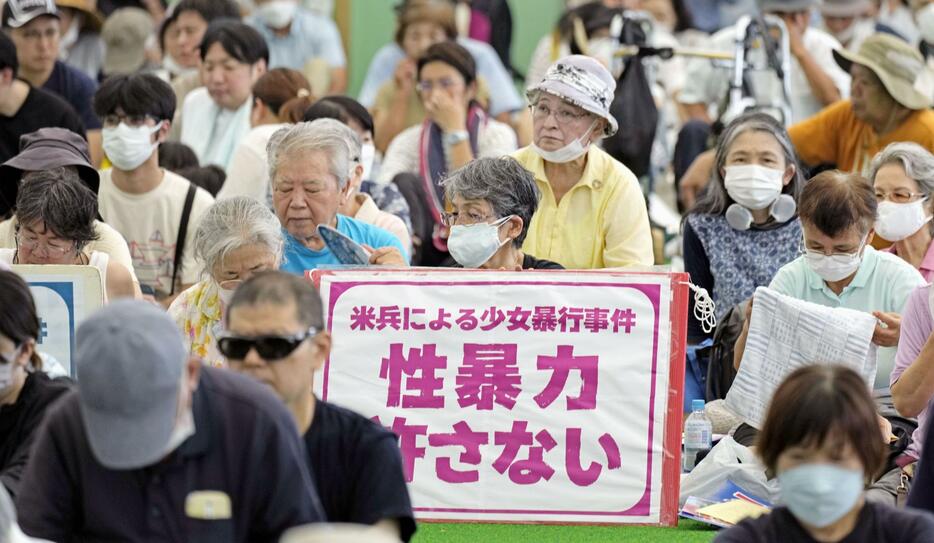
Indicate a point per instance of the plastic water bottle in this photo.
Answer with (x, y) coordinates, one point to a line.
(697, 435)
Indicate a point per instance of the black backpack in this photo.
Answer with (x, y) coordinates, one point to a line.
(720, 372)
(634, 108)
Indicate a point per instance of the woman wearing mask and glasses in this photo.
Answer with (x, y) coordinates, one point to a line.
(592, 212)
(902, 175)
(821, 441)
(25, 390)
(237, 238)
(492, 202)
(839, 267)
(749, 209)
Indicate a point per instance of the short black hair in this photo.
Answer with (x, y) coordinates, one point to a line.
(60, 200)
(452, 54)
(211, 177)
(175, 155)
(8, 57)
(135, 94)
(342, 108)
(20, 321)
(281, 288)
(239, 40)
(209, 10)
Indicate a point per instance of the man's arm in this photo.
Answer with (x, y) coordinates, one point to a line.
(822, 86)
(382, 498)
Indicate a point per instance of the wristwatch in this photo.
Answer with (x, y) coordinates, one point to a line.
(450, 139)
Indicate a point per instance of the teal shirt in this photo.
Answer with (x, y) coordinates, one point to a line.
(297, 258)
(882, 283)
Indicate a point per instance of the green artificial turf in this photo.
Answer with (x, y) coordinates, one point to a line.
(688, 531)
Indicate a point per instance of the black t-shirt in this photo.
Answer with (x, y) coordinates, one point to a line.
(529, 262)
(877, 523)
(357, 468)
(77, 89)
(41, 109)
(19, 421)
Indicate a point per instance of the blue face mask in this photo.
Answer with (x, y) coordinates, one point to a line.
(820, 494)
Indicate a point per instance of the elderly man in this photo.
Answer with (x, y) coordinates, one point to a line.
(310, 168)
(276, 334)
(888, 103)
(154, 446)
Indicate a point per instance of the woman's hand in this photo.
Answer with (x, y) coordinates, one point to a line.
(386, 256)
(404, 75)
(446, 112)
(887, 336)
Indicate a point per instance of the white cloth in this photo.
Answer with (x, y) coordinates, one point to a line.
(709, 84)
(862, 29)
(248, 172)
(95, 258)
(494, 140)
(149, 222)
(212, 131)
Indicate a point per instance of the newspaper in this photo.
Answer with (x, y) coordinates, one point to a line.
(785, 334)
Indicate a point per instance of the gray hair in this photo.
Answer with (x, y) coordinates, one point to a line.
(509, 188)
(715, 200)
(232, 223)
(60, 199)
(917, 162)
(324, 135)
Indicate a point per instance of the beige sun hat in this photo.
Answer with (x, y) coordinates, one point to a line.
(898, 65)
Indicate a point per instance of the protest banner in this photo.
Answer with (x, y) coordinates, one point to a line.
(549, 397)
(64, 296)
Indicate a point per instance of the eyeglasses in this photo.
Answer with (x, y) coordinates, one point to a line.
(445, 83)
(133, 121)
(34, 245)
(541, 112)
(898, 196)
(267, 347)
(840, 257)
(450, 219)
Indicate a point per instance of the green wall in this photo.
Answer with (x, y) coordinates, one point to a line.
(373, 25)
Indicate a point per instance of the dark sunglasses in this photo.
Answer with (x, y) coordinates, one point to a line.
(267, 347)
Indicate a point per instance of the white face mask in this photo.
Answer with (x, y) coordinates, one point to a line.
(835, 267)
(896, 222)
(278, 13)
(128, 147)
(367, 155)
(71, 37)
(753, 186)
(569, 152)
(925, 18)
(472, 245)
(844, 36)
(184, 429)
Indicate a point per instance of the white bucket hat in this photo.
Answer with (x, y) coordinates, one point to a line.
(582, 81)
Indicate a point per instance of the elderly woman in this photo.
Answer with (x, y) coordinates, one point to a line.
(310, 170)
(902, 175)
(456, 131)
(492, 202)
(820, 440)
(592, 213)
(749, 209)
(237, 238)
(55, 215)
(840, 268)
